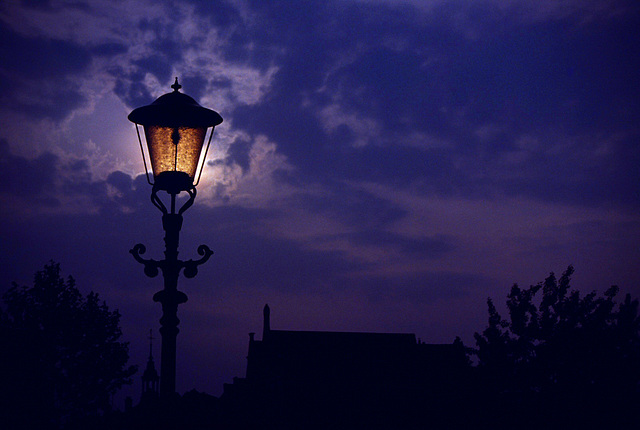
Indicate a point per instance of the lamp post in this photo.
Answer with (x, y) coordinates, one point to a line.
(175, 128)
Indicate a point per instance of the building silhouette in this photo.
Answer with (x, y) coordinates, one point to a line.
(319, 379)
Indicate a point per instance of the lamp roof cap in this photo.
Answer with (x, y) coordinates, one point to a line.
(175, 109)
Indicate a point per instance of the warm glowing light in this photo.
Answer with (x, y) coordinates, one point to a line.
(175, 149)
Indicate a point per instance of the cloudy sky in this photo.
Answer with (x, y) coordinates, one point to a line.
(383, 165)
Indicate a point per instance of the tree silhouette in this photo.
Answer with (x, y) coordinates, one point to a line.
(568, 356)
(63, 357)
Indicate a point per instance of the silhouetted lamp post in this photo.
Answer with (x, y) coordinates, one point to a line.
(175, 128)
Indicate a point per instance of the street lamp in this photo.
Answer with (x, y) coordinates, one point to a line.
(175, 128)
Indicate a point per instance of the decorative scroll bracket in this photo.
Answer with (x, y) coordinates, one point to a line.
(151, 266)
(191, 266)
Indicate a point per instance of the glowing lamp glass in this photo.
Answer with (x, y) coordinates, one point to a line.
(174, 149)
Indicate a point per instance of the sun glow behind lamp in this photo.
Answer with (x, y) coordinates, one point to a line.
(175, 129)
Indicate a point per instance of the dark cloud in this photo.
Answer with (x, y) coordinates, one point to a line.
(297, 131)
(239, 153)
(355, 208)
(165, 43)
(157, 64)
(45, 181)
(37, 4)
(427, 287)
(122, 193)
(244, 256)
(250, 258)
(109, 49)
(277, 265)
(394, 87)
(585, 170)
(27, 178)
(36, 59)
(222, 13)
(408, 75)
(195, 86)
(425, 247)
(121, 181)
(129, 87)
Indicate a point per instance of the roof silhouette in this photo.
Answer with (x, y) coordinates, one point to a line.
(316, 378)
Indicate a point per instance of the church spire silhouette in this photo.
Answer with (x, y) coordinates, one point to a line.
(150, 378)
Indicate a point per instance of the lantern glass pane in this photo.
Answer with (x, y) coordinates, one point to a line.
(163, 143)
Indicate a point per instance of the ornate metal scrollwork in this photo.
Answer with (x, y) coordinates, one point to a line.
(191, 266)
(157, 202)
(188, 203)
(150, 265)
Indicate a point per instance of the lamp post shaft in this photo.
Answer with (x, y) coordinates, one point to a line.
(169, 331)
(169, 321)
(170, 300)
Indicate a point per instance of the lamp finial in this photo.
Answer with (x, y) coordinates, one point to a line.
(176, 86)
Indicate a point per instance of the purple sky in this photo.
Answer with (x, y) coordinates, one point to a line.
(382, 165)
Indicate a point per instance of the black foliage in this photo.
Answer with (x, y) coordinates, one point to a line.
(561, 358)
(63, 356)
